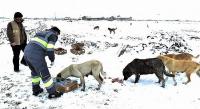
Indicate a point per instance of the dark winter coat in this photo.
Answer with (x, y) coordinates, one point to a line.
(16, 33)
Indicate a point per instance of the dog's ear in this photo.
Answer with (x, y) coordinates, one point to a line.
(59, 78)
(59, 75)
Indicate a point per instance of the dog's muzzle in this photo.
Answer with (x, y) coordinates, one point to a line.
(59, 78)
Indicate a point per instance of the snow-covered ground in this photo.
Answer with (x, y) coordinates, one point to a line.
(145, 39)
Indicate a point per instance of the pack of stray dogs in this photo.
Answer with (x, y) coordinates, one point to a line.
(168, 65)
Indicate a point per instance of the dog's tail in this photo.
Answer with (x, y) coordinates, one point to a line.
(100, 77)
(168, 74)
(197, 56)
(102, 74)
(198, 72)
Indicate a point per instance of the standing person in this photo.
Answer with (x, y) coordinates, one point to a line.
(34, 54)
(18, 38)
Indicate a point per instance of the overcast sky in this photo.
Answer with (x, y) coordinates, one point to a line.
(139, 9)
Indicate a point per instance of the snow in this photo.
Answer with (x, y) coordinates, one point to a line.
(16, 90)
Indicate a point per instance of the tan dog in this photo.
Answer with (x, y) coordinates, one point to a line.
(182, 56)
(186, 66)
(93, 67)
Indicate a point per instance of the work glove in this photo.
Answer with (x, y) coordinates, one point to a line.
(55, 95)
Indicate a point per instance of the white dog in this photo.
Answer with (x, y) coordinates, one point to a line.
(93, 67)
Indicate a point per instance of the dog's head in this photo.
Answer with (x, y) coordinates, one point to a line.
(59, 78)
(126, 73)
(165, 59)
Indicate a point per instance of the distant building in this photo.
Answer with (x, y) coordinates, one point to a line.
(109, 18)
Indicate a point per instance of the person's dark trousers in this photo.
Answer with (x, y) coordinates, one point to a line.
(16, 52)
(23, 60)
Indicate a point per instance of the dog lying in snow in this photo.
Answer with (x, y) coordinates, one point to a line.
(92, 67)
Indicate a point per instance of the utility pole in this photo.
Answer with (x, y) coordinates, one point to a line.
(55, 15)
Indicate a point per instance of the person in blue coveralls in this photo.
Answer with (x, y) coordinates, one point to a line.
(42, 45)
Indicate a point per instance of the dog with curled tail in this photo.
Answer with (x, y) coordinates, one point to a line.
(92, 67)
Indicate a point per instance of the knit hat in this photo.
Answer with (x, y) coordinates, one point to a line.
(17, 15)
(54, 28)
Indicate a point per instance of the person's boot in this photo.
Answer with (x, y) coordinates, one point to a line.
(37, 90)
(36, 93)
(24, 62)
(55, 95)
(16, 70)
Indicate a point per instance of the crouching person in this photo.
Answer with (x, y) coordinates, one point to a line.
(34, 54)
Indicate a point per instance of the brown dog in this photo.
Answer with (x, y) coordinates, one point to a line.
(186, 66)
(182, 56)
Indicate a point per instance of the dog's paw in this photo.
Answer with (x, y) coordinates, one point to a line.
(175, 84)
(185, 83)
(163, 86)
(98, 88)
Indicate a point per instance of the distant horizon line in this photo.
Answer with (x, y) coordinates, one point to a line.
(79, 18)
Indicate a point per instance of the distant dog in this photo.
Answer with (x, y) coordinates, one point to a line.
(186, 66)
(146, 66)
(112, 30)
(96, 28)
(182, 56)
(93, 67)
